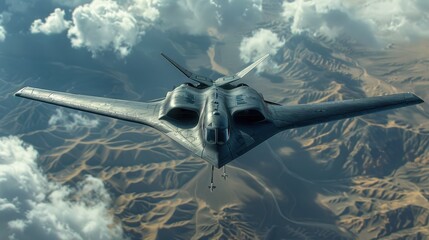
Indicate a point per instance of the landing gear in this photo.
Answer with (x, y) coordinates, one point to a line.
(224, 175)
(212, 187)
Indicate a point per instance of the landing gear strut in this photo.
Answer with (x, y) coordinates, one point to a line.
(212, 187)
(224, 175)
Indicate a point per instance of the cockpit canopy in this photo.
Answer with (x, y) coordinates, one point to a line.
(216, 130)
(216, 135)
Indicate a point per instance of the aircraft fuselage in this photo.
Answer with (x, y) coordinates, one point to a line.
(220, 115)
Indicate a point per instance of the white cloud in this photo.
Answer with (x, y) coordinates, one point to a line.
(117, 25)
(2, 33)
(368, 22)
(102, 25)
(146, 10)
(54, 23)
(71, 121)
(2, 30)
(261, 42)
(32, 207)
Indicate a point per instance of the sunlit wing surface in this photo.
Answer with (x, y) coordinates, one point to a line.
(138, 112)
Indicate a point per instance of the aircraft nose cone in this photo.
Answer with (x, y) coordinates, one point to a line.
(217, 155)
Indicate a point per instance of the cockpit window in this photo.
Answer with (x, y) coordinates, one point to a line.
(222, 135)
(210, 135)
(219, 136)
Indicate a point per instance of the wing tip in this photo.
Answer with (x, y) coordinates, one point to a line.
(416, 98)
(20, 92)
(411, 98)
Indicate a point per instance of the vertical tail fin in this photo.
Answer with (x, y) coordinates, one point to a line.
(189, 74)
(228, 79)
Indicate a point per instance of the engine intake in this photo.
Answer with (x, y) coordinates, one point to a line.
(248, 116)
(182, 116)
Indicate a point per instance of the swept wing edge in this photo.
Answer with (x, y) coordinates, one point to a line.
(286, 117)
(138, 112)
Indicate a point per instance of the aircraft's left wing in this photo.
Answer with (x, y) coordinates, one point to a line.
(139, 112)
(286, 117)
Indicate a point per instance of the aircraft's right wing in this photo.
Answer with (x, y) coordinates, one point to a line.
(286, 117)
(139, 112)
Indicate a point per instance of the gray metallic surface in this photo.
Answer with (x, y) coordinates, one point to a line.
(229, 79)
(188, 112)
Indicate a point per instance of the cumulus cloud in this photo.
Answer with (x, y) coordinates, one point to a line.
(261, 42)
(368, 22)
(102, 25)
(32, 207)
(146, 10)
(71, 121)
(2, 31)
(2, 34)
(117, 25)
(54, 23)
